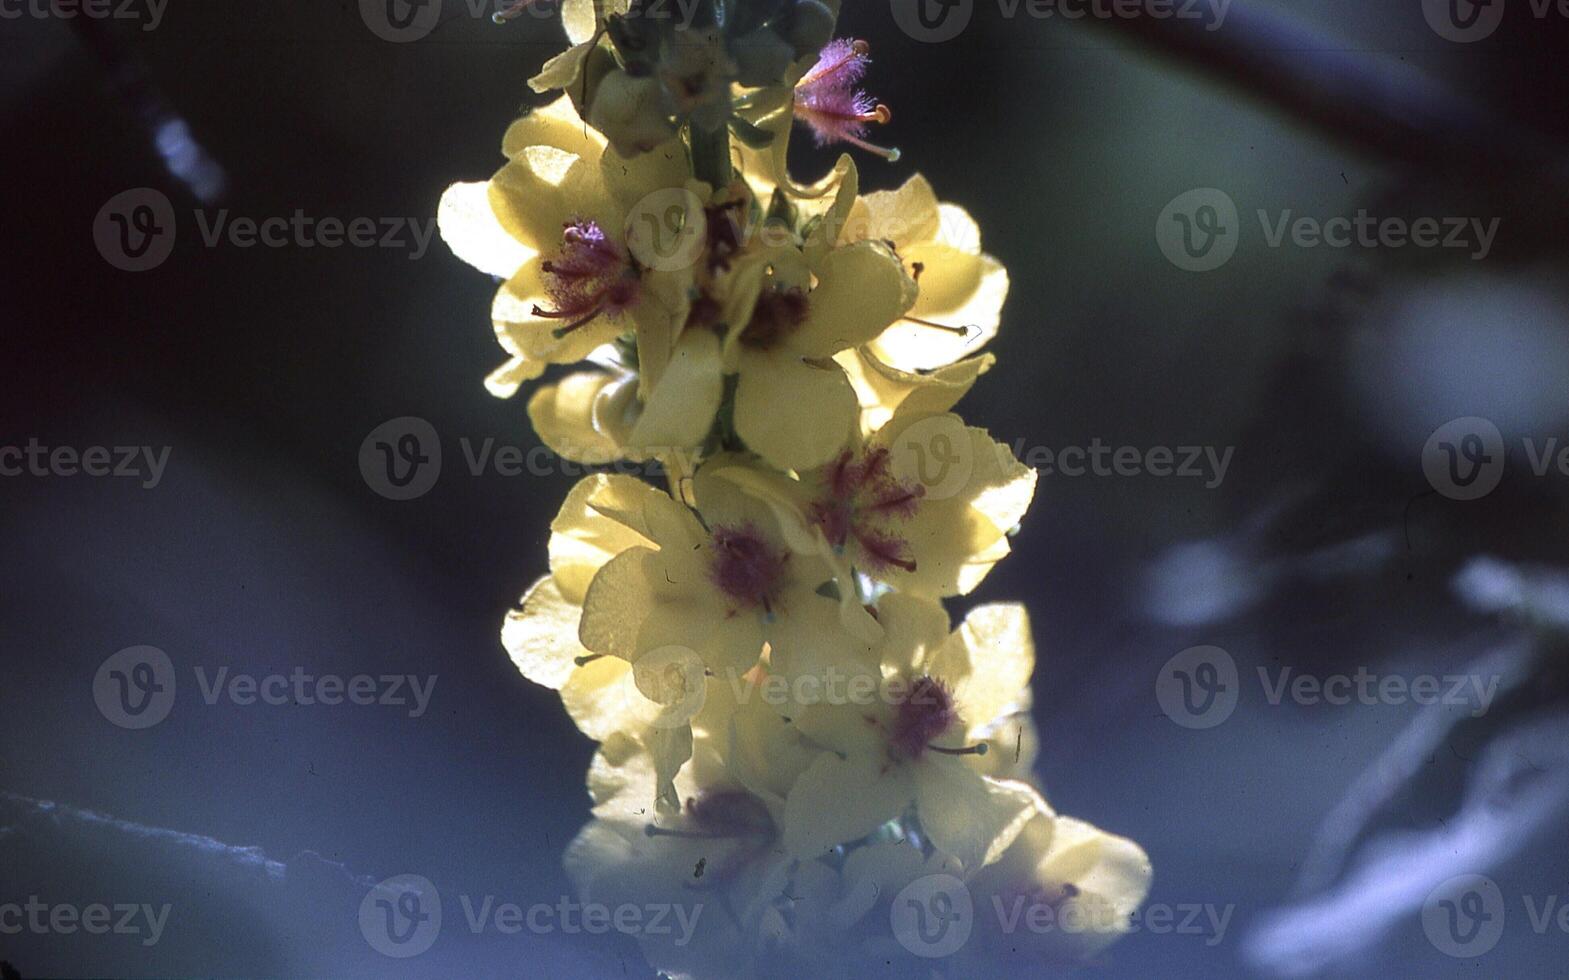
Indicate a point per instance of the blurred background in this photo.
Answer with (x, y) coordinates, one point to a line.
(1355, 528)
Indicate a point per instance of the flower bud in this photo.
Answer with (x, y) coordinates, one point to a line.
(630, 113)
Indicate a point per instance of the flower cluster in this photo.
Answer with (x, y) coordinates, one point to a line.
(792, 732)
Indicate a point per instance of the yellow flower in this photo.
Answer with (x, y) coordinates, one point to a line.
(719, 849)
(942, 694)
(555, 223)
(925, 505)
(603, 516)
(582, 20)
(1079, 885)
(713, 865)
(721, 580)
(1058, 895)
(962, 288)
(794, 404)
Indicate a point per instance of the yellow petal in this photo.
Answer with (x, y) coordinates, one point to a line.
(471, 230)
(973, 818)
(582, 18)
(957, 290)
(617, 601)
(603, 700)
(905, 216)
(577, 417)
(916, 629)
(807, 638)
(974, 492)
(671, 748)
(766, 753)
(505, 381)
(1111, 876)
(563, 70)
(589, 530)
(988, 662)
(657, 179)
(841, 800)
(861, 289)
(830, 223)
(542, 189)
(555, 124)
(541, 634)
(884, 391)
(796, 415)
(680, 410)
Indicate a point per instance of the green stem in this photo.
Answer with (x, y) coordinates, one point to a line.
(711, 155)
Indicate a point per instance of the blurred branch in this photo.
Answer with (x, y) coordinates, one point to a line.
(1356, 98)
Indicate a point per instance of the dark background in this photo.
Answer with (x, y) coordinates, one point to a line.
(1324, 549)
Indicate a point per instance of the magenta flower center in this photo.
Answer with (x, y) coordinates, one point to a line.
(861, 506)
(828, 102)
(778, 314)
(591, 276)
(924, 714)
(746, 567)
